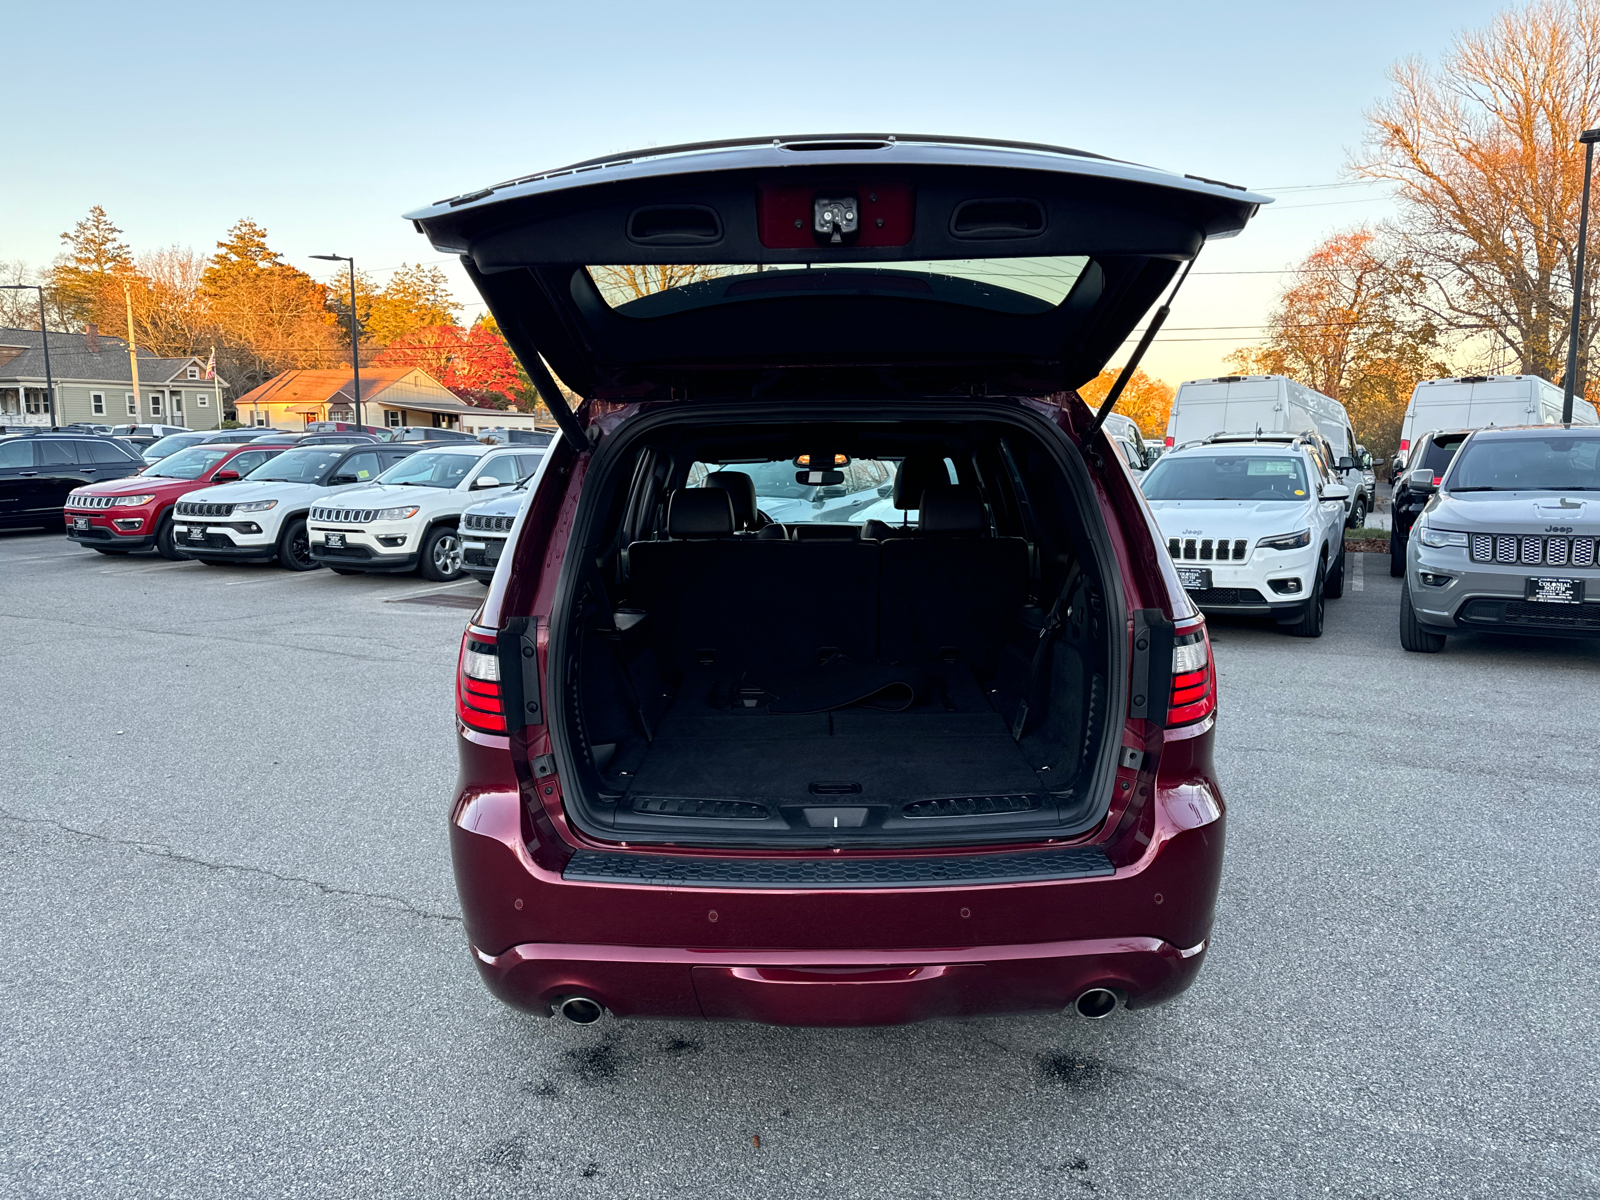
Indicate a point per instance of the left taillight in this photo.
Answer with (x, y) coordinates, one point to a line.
(1194, 677)
(479, 700)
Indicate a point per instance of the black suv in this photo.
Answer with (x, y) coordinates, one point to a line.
(38, 470)
(1413, 488)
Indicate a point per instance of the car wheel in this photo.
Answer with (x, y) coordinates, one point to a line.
(345, 571)
(1397, 554)
(294, 548)
(1414, 635)
(441, 555)
(1358, 513)
(166, 545)
(1335, 585)
(1310, 625)
(106, 550)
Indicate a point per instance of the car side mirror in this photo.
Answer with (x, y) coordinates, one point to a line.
(226, 475)
(1422, 480)
(886, 490)
(344, 479)
(1346, 463)
(485, 481)
(1336, 491)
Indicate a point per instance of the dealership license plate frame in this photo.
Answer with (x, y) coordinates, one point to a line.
(1195, 579)
(1556, 590)
(80, 524)
(336, 541)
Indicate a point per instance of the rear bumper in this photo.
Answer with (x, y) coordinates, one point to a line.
(793, 955)
(855, 987)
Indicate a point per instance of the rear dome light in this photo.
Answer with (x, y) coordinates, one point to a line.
(478, 698)
(1194, 677)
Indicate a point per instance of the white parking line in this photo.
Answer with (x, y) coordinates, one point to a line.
(430, 591)
(1358, 582)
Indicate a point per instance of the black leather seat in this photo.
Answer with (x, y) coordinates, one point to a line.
(915, 475)
(948, 593)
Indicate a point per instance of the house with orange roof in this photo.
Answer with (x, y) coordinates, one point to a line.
(391, 396)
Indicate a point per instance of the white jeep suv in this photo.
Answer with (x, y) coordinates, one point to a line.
(1255, 526)
(406, 520)
(264, 514)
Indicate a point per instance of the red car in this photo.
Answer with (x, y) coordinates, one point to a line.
(835, 673)
(135, 513)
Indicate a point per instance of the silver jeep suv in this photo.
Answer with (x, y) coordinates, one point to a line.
(1511, 541)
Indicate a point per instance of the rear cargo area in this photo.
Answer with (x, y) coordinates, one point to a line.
(743, 679)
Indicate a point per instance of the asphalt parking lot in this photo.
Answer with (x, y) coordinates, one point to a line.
(233, 964)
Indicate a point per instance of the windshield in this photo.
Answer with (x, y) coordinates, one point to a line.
(436, 469)
(1535, 464)
(188, 464)
(296, 466)
(1226, 477)
(864, 493)
(172, 443)
(1011, 285)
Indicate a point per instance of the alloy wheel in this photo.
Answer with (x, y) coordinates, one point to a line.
(447, 555)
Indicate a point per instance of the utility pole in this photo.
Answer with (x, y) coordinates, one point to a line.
(44, 340)
(1587, 139)
(133, 355)
(355, 328)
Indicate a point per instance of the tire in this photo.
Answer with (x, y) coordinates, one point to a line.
(1310, 625)
(294, 547)
(1397, 554)
(346, 571)
(1335, 585)
(441, 555)
(1358, 512)
(166, 545)
(1414, 635)
(106, 550)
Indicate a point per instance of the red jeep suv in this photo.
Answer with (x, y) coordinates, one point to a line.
(835, 672)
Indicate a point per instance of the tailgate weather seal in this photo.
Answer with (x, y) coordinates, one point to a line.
(906, 871)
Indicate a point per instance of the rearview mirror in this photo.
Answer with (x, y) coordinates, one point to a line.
(485, 481)
(226, 475)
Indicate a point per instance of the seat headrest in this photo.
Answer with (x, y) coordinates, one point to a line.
(699, 513)
(741, 490)
(951, 508)
(917, 473)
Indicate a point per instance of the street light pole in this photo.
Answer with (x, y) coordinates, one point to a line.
(44, 338)
(355, 329)
(1587, 138)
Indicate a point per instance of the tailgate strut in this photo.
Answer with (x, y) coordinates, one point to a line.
(528, 355)
(1132, 365)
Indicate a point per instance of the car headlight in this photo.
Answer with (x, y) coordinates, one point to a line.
(255, 506)
(1286, 541)
(131, 501)
(1440, 538)
(396, 514)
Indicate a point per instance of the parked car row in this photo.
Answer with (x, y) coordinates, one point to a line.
(342, 500)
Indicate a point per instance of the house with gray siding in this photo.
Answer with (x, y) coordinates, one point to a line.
(94, 382)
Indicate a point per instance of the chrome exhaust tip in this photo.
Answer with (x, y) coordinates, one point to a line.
(580, 1010)
(1096, 1004)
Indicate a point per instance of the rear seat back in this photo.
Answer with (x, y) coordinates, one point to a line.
(950, 592)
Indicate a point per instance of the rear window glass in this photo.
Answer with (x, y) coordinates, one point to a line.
(1010, 285)
(867, 492)
(1226, 477)
(1437, 454)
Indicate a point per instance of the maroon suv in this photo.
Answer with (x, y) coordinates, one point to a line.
(835, 673)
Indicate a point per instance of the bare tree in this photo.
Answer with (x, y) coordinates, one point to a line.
(1484, 150)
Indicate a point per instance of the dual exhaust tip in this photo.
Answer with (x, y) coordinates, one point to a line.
(580, 1010)
(1095, 1004)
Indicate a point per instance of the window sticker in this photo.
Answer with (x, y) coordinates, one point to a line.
(1299, 491)
(1270, 466)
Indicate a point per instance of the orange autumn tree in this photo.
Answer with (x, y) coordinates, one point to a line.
(475, 360)
(1148, 401)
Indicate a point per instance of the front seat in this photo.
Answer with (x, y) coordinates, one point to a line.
(916, 474)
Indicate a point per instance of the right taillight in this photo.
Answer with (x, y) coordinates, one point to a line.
(478, 696)
(1194, 677)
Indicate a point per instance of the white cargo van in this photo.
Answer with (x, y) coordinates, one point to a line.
(1479, 401)
(1270, 404)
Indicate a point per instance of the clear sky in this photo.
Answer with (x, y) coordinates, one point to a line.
(325, 121)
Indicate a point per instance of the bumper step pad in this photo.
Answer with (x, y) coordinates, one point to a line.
(660, 870)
